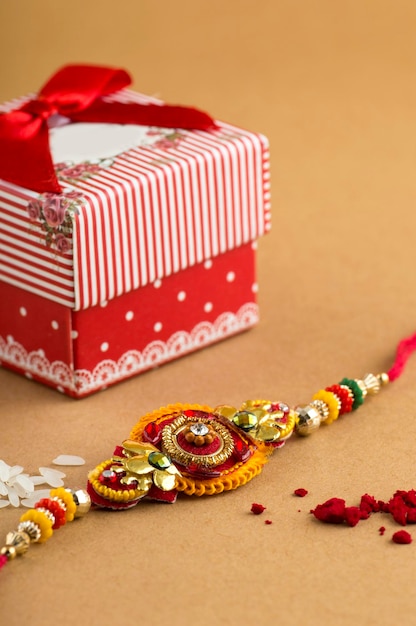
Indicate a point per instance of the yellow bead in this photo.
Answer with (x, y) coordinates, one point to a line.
(67, 499)
(332, 403)
(41, 520)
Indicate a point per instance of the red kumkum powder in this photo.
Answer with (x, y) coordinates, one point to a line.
(301, 493)
(257, 509)
(401, 506)
(402, 536)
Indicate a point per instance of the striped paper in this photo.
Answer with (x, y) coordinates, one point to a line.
(154, 210)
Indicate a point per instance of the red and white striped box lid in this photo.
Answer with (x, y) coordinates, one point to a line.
(138, 204)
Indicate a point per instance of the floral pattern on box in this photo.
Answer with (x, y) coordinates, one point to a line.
(69, 172)
(53, 214)
(163, 138)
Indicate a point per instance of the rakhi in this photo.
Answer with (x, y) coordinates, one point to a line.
(195, 450)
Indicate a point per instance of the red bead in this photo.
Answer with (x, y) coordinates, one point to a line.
(344, 397)
(280, 406)
(55, 508)
(152, 432)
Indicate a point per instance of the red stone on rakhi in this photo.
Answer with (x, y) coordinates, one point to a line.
(107, 476)
(241, 451)
(152, 432)
(201, 472)
(279, 406)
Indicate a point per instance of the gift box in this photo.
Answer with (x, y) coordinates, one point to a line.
(137, 248)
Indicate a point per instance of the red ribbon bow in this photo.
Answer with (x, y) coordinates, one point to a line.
(76, 92)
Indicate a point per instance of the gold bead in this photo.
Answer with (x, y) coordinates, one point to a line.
(362, 386)
(9, 552)
(309, 420)
(82, 501)
(19, 540)
(383, 378)
(322, 408)
(31, 529)
(372, 384)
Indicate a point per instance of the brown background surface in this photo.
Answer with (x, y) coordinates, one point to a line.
(332, 84)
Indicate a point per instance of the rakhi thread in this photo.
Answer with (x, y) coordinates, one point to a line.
(404, 351)
(203, 451)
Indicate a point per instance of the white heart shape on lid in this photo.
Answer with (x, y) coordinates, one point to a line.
(92, 142)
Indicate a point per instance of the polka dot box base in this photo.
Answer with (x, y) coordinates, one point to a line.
(80, 352)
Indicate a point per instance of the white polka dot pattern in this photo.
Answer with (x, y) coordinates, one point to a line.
(83, 382)
(133, 332)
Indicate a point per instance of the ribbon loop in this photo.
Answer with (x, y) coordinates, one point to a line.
(75, 87)
(76, 92)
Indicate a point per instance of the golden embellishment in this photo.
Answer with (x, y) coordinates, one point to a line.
(261, 420)
(117, 495)
(181, 424)
(163, 413)
(145, 459)
(231, 479)
(199, 434)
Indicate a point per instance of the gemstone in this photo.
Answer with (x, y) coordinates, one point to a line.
(158, 460)
(152, 432)
(245, 420)
(199, 429)
(279, 406)
(241, 450)
(108, 476)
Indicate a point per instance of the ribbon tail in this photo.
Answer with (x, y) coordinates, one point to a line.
(165, 116)
(25, 157)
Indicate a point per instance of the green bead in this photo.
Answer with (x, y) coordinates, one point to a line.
(357, 392)
(245, 420)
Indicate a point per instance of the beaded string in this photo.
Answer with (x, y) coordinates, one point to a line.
(37, 524)
(49, 514)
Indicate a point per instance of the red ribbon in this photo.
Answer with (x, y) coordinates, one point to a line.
(76, 92)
